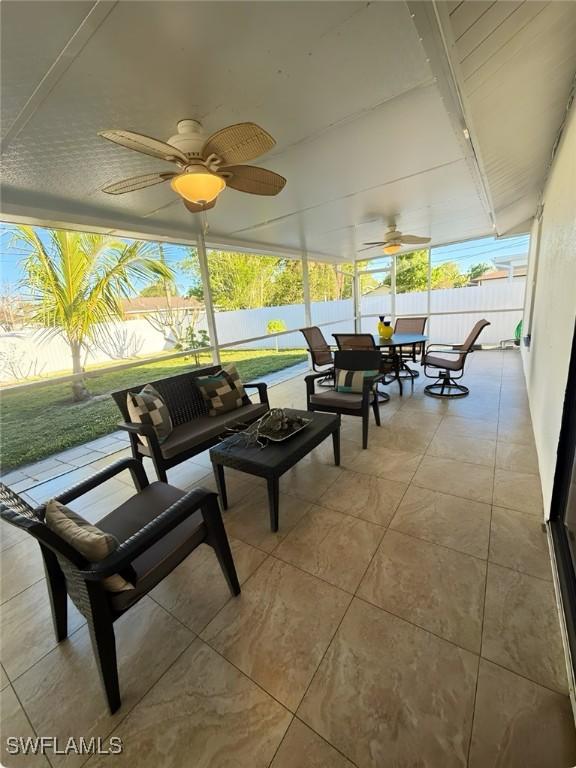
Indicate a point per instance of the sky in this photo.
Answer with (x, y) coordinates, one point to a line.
(464, 254)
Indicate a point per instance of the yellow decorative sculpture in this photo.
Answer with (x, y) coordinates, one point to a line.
(385, 330)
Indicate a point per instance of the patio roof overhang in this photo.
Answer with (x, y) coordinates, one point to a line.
(368, 103)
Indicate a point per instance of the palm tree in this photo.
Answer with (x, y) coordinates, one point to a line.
(77, 279)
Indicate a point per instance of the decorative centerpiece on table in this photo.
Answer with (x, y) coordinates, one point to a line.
(385, 330)
(276, 425)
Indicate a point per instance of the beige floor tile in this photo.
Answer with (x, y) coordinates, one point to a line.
(278, 629)
(519, 724)
(26, 632)
(203, 713)
(20, 567)
(521, 627)
(517, 541)
(389, 463)
(483, 429)
(518, 490)
(15, 724)
(367, 496)
(333, 546)
(10, 535)
(249, 520)
(302, 748)
(401, 438)
(470, 449)
(390, 694)
(309, 484)
(426, 423)
(3, 678)
(148, 640)
(516, 432)
(324, 453)
(196, 590)
(237, 487)
(187, 474)
(458, 478)
(452, 521)
(518, 458)
(434, 587)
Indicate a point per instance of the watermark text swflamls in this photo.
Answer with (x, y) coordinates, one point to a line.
(42, 745)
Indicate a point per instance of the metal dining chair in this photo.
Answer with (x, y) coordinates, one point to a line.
(320, 354)
(410, 325)
(448, 370)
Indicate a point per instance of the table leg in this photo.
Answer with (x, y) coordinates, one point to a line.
(336, 444)
(221, 484)
(396, 358)
(273, 501)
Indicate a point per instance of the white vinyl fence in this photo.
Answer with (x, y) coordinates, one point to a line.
(28, 353)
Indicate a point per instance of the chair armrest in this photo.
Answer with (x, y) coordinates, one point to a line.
(262, 388)
(152, 532)
(136, 470)
(310, 379)
(445, 351)
(146, 430)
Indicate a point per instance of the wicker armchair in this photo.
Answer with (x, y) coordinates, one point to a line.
(447, 370)
(157, 528)
(320, 354)
(348, 403)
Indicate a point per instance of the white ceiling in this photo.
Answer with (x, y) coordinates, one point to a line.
(346, 88)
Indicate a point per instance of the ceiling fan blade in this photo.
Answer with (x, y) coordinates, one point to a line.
(379, 243)
(252, 179)
(145, 144)
(195, 208)
(137, 182)
(413, 239)
(238, 143)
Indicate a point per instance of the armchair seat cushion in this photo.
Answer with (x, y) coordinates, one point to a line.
(204, 428)
(454, 364)
(161, 558)
(333, 399)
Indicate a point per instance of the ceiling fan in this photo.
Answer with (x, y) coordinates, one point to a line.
(394, 240)
(206, 165)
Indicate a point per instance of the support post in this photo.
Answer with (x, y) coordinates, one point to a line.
(205, 275)
(393, 287)
(306, 290)
(357, 300)
(429, 288)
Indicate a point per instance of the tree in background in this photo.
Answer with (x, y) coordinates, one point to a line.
(412, 273)
(276, 326)
(160, 288)
(76, 280)
(477, 270)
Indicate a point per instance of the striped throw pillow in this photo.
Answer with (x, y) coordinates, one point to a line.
(352, 381)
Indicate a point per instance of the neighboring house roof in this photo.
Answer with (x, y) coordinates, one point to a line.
(382, 290)
(501, 274)
(146, 304)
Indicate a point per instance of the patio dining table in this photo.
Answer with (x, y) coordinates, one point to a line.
(395, 344)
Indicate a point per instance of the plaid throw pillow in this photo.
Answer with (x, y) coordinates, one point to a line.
(147, 407)
(223, 391)
(352, 381)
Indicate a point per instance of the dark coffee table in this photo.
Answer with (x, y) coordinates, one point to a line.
(272, 461)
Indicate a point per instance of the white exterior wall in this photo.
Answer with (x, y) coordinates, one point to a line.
(554, 306)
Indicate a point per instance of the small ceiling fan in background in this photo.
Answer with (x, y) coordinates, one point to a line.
(206, 165)
(394, 240)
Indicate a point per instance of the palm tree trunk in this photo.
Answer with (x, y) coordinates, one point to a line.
(79, 390)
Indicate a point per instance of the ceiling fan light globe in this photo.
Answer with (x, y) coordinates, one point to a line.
(392, 248)
(198, 185)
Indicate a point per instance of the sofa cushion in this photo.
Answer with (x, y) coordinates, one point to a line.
(333, 399)
(90, 541)
(148, 407)
(223, 391)
(204, 428)
(161, 558)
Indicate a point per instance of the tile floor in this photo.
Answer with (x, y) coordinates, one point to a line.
(403, 615)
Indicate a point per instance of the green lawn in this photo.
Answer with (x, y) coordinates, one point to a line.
(36, 423)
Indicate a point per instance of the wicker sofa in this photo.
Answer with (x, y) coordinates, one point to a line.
(194, 430)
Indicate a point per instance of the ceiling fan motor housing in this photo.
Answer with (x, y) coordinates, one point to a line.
(189, 139)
